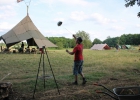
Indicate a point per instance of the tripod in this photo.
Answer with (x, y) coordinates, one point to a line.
(42, 55)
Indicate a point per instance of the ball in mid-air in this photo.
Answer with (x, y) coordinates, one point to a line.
(59, 23)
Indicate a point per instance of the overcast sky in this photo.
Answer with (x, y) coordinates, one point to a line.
(99, 18)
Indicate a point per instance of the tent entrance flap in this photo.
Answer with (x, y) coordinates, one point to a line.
(31, 42)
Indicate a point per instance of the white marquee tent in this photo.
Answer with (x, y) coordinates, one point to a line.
(26, 30)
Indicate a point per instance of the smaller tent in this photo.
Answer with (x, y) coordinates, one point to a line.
(100, 47)
(126, 46)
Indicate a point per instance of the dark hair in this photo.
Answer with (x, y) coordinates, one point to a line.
(79, 39)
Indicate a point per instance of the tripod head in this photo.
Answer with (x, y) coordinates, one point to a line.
(42, 49)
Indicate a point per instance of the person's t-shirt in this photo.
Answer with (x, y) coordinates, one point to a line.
(78, 49)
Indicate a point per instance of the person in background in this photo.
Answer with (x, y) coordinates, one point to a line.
(78, 60)
(117, 47)
(22, 47)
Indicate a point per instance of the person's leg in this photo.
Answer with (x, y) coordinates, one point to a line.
(80, 72)
(82, 75)
(84, 79)
(75, 73)
(76, 80)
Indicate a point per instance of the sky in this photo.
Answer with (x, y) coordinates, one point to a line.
(99, 18)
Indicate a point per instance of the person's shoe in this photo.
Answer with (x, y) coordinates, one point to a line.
(84, 82)
(75, 83)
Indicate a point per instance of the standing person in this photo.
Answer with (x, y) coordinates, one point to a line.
(22, 47)
(117, 47)
(78, 60)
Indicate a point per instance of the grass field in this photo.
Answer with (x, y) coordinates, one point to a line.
(111, 68)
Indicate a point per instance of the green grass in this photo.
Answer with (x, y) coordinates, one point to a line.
(97, 65)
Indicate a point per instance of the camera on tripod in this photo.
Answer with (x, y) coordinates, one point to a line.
(42, 56)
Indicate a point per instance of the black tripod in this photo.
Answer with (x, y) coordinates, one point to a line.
(42, 53)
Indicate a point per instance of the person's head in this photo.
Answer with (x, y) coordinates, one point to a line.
(79, 40)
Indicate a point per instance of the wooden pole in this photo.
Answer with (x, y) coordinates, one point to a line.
(27, 10)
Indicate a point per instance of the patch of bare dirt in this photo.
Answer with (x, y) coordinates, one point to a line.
(77, 92)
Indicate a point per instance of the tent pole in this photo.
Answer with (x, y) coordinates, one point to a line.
(27, 10)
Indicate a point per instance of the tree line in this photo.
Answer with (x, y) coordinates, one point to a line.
(63, 42)
(125, 39)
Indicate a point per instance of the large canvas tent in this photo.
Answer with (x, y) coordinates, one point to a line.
(26, 30)
(100, 47)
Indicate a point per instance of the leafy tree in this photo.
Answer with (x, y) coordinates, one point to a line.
(60, 45)
(65, 42)
(111, 41)
(131, 39)
(122, 39)
(130, 3)
(83, 34)
(108, 41)
(96, 41)
(73, 43)
(86, 38)
(115, 41)
(136, 39)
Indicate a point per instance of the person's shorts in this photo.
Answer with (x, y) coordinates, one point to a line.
(77, 68)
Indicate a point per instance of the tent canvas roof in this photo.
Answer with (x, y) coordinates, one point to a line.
(100, 47)
(25, 30)
(128, 46)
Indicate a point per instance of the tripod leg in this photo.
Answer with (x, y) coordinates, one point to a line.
(52, 72)
(37, 75)
(43, 71)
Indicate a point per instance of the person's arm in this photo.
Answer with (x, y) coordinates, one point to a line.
(71, 53)
(74, 36)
